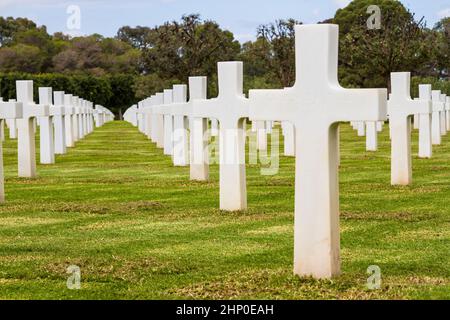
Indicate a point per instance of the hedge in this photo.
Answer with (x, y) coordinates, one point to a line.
(112, 91)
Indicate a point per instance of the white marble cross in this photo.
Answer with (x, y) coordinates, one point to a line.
(443, 117)
(214, 128)
(424, 121)
(230, 108)
(289, 138)
(168, 122)
(371, 135)
(401, 108)
(80, 104)
(100, 116)
(8, 110)
(158, 122)
(361, 128)
(90, 116)
(199, 153)
(260, 128)
(180, 134)
(447, 111)
(152, 117)
(380, 125)
(47, 138)
(26, 128)
(75, 119)
(85, 117)
(147, 103)
(438, 108)
(316, 104)
(12, 125)
(261, 132)
(59, 113)
(141, 117)
(130, 115)
(416, 124)
(68, 120)
(134, 115)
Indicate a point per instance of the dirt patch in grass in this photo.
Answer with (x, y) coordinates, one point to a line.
(281, 284)
(99, 208)
(112, 268)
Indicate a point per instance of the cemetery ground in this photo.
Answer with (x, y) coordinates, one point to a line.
(139, 229)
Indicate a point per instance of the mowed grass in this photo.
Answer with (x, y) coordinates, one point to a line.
(139, 229)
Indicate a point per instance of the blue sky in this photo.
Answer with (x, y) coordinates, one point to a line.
(240, 16)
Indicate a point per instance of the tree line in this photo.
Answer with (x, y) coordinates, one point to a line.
(141, 60)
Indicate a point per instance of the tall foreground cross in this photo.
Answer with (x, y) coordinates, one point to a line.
(316, 104)
(230, 108)
(26, 144)
(401, 108)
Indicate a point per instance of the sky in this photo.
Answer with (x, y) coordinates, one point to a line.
(242, 17)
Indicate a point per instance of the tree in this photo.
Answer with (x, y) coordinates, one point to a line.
(10, 26)
(276, 47)
(367, 57)
(136, 37)
(146, 85)
(22, 58)
(188, 48)
(440, 37)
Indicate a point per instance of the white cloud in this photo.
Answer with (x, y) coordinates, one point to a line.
(443, 13)
(342, 3)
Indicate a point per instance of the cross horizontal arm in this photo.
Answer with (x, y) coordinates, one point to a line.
(271, 105)
(11, 110)
(333, 104)
(221, 108)
(36, 110)
(356, 104)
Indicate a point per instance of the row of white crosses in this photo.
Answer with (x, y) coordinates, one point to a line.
(430, 111)
(63, 119)
(310, 113)
(166, 117)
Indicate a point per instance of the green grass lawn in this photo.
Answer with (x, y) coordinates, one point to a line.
(139, 229)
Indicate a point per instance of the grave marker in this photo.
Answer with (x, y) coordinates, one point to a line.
(230, 108)
(168, 123)
(401, 108)
(47, 138)
(59, 113)
(316, 104)
(68, 120)
(371, 136)
(425, 140)
(180, 126)
(26, 145)
(438, 107)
